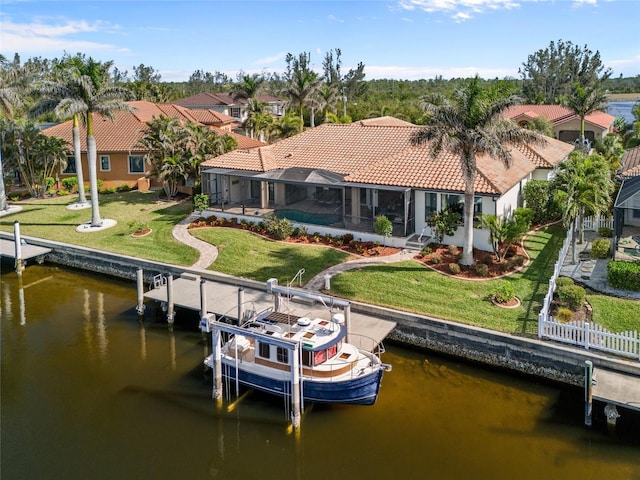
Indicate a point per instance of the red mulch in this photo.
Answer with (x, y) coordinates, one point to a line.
(495, 269)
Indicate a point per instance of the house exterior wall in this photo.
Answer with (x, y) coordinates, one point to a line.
(574, 125)
(118, 174)
(542, 174)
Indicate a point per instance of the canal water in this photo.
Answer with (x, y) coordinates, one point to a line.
(89, 392)
(621, 109)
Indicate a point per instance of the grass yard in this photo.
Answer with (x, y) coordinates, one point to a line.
(48, 218)
(419, 289)
(243, 254)
(615, 314)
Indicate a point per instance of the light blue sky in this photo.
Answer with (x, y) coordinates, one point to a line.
(402, 39)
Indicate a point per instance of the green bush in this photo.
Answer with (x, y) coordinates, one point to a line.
(50, 182)
(600, 248)
(605, 232)
(564, 315)
(482, 269)
(201, 202)
(625, 275)
(454, 268)
(109, 190)
(279, 228)
(452, 250)
(573, 296)
(563, 282)
(383, 226)
(426, 251)
(436, 259)
(504, 292)
(125, 187)
(70, 183)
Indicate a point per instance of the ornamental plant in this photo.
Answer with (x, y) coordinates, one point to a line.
(504, 292)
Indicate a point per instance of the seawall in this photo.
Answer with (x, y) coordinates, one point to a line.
(523, 355)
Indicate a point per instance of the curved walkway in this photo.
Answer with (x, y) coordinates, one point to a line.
(209, 253)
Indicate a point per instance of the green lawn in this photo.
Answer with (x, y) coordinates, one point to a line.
(416, 288)
(48, 218)
(243, 254)
(615, 314)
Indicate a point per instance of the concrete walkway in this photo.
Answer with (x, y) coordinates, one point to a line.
(208, 252)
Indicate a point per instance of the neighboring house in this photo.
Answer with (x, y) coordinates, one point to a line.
(566, 124)
(626, 208)
(120, 158)
(235, 107)
(339, 178)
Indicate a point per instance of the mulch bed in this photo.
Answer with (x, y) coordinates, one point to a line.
(514, 261)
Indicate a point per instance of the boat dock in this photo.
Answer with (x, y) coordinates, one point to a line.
(223, 299)
(617, 388)
(8, 249)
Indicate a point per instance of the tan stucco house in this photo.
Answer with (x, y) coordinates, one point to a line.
(336, 178)
(230, 105)
(120, 158)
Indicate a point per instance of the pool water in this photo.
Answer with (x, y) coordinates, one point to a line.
(308, 217)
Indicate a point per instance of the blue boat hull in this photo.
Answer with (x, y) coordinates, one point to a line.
(360, 390)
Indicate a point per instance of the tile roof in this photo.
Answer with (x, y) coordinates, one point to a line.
(220, 99)
(557, 114)
(379, 151)
(124, 133)
(631, 162)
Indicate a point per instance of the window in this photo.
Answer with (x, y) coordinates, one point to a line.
(282, 354)
(71, 166)
(430, 205)
(235, 112)
(105, 163)
(332, 351)
(264, 350)
(456, 203)
(319, 357)
(477, 207)
(136, 164)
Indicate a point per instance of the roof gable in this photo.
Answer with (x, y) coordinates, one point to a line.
(631, 162)
(557, 114)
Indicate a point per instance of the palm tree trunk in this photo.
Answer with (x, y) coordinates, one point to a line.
(78, 158)
(96, 221)
(574, 259)
(3, 194)
(467, 242)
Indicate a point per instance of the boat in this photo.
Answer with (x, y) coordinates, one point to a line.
(288, 355)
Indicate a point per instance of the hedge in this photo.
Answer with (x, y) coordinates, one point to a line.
(625, 275)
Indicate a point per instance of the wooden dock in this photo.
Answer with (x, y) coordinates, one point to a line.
(617, 388)
(222, 299)
(8, 249)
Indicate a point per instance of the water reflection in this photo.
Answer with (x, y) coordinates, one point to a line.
(90, 391)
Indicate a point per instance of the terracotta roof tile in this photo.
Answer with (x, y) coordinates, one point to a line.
(379, 151)
(631, 162)
(557, 114)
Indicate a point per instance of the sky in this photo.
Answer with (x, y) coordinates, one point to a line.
(395, 39)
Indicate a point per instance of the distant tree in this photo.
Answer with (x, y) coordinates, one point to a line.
(248, 86)
(302, 81)
(286, 126)
(471, 125)
(548, 75)
(611, 149)
(540, 125)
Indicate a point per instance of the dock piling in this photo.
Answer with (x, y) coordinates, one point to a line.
(203, 299)
(295, 386)
(170, 312)
(19, 265)
(140, 291)
(588, 392)
(240, 304)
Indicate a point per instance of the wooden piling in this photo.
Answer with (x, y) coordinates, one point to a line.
(170, 312)
(140, 291)
(203, 299)
(240, 304)
(588, 392)
(19, 265)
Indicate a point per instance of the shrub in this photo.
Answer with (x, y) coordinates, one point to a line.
(454, 268)
(625, 275)
(200, 202)
(487, 258)
(383, 226)
(347, 238)
(600, 248)
(70, 183)
(108, 191)
(50, 182)
(482, 269)
(564, 315)
(573, 296)
(279, 228)
(63, 193)
(563, 282)
(436, 259)
(605, 232)
(426, 251)
(125, 187)
(452, 250)
(504, 292)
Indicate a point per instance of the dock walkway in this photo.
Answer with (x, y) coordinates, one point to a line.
(617, 388)
(8, 249)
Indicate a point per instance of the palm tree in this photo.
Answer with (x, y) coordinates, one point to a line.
(469, 126)
(302, 82)
(584, 101)
(583, 186)
(92, 93)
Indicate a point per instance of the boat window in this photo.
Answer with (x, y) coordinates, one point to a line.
(282, 354)
(264, 350)
(332, 351)
(319, 357)
(306, 358)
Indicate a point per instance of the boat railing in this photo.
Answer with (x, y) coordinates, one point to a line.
(367, 344)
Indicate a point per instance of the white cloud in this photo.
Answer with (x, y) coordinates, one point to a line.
(43, 36)
(268, 60)
(461, 10)
(333, 18)
(426, 72)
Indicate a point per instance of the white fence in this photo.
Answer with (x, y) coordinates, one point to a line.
(594, 223)
(581, 333)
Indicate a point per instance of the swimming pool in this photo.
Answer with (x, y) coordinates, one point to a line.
(308, 217)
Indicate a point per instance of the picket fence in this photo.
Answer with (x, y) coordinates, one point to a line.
(592, 224)
(581, 333)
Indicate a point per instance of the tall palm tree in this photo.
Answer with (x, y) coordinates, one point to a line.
(583, 186)
(93, 94)
(469, 126)
(584, 101)
(302, 82)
